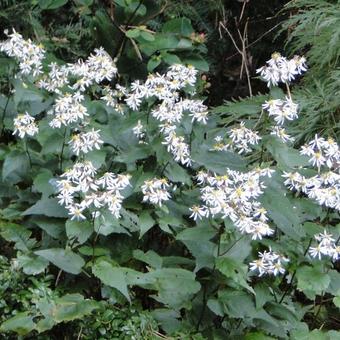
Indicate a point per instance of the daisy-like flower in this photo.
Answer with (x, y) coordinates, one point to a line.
(198, 212)
(79, 190)
(86, 141)
(269, 263)
(155, 191)
(282, 70)
(25, 125)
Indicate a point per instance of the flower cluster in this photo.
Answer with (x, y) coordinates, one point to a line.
(323, 187)
(241, 138)
(281, 110)
(326, 246)
(67, 110)
(114, 97)
(269, 263)
(155, 191)
(169, 112)
(97, 67)
(233, 196)
(86, 141)
(28, 55)
(79, 189)
(282, 70)
(25, 125)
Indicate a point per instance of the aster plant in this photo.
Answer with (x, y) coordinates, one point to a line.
(139, 184)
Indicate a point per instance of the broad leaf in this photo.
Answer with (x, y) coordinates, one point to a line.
(64, 259)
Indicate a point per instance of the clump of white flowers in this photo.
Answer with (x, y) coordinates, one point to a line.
(269, 263)
(324, 187)
(79, 189)
(282, 70)
(25, 125)
(67, 110)
(169, 112)
(155, 191)
(281, 110)
(326, 246)
(114, 97)
(240, 140)
(86, 141)
(28, 54)
(233, 196)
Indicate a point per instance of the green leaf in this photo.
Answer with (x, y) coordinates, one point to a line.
(180, 26)
(147, 36)
(153, 63)
(22, 324)
(216, 161)
(71, 307)
(286, 157)
(235, 270)
(97, 157)
(18, 234)
(146, 222)
(15, 167)
(150, 257)
(80, 231)
(47, 207)
(198, 62)
(175, 286)
(336, 300)
(134, 33)
(171, 59)
(32, 265)
(41, 182)
(197, 240)
(52, 226)
(52, 4)
(312, 281)
(64, 259)
(176, 173)
(276, 201)
(111, 276)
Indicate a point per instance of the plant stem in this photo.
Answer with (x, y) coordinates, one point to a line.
(62, 151)
(27, 152)
(294, 273)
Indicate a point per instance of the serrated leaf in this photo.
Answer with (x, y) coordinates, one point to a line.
(22, 324)
(312, 281)
(80, 231)
(18, 234)
(15, 167)
(47, 207)
(146, 222)
(64, 259)
(111, 276)
(32, 265)
(41, 182)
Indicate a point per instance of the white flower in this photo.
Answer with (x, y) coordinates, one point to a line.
(269, 263)
(198, 212)
(155, 191)
(280, 69)
(25, 125)
(86, 141)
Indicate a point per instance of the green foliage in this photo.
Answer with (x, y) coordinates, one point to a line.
(154, 272)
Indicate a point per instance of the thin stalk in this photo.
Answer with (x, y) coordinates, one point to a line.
(27, 152)
(62, 151)
(294, 273)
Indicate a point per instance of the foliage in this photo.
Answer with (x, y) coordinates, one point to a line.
(155, 261)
